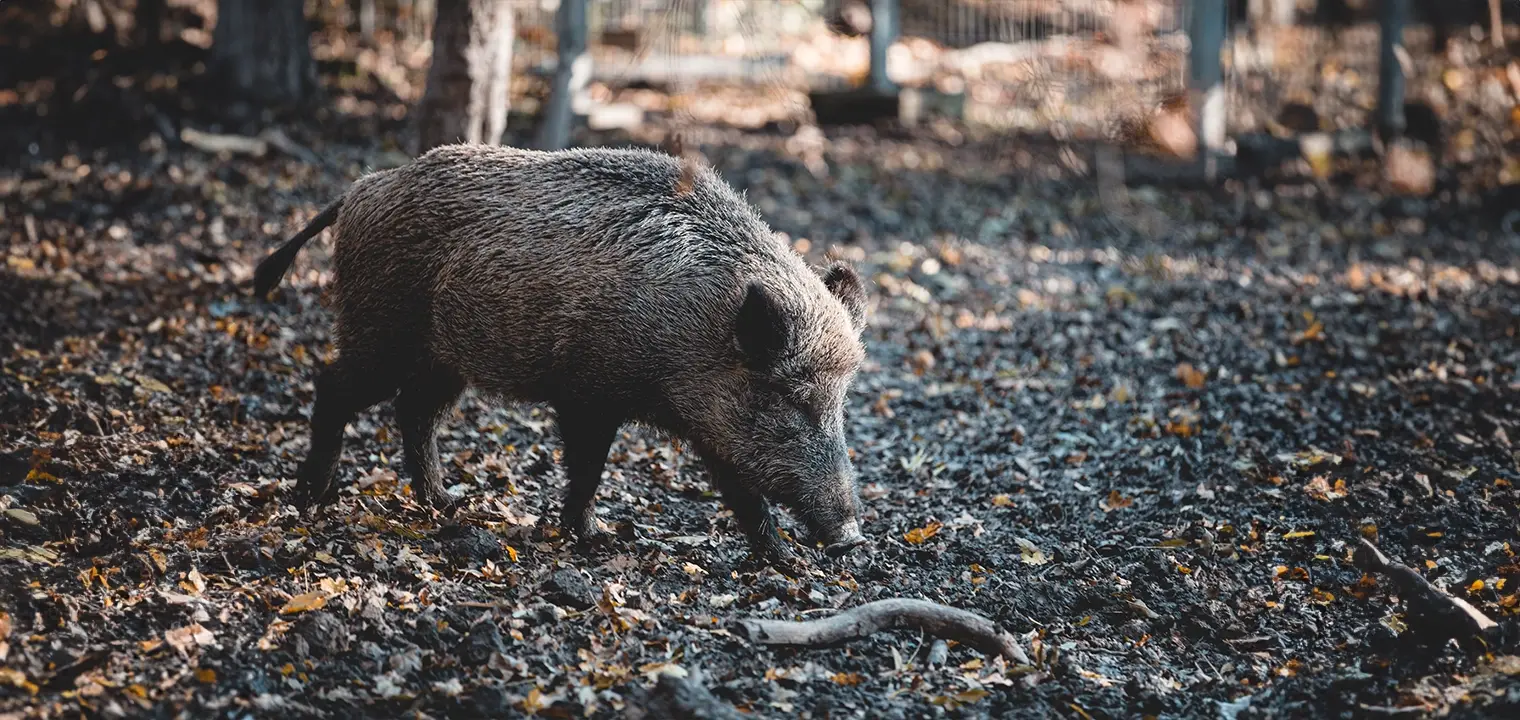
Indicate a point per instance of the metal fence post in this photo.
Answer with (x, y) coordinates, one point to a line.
(571, 72)
(1393, 15)
(883, 32)
(1206, 30)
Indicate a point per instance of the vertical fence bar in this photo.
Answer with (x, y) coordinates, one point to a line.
(1206, 28)
(883, 32)
(571, 71)
(1393, 15)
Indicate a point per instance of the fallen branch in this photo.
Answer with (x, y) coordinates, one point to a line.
(1446, 614)
(217, 143)
(244, 145)
(941, 621)
(278, 140)
(679, 696)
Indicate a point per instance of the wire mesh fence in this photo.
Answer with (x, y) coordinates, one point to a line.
(1077, 68)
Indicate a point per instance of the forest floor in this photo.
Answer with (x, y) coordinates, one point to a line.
(1143, 437)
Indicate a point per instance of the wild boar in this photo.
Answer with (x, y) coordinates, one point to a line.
(615, 286)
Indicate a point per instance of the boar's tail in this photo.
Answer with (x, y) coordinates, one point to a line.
(269, 272)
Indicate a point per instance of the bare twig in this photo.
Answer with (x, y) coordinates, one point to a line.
(933, 618)
(1445, 613)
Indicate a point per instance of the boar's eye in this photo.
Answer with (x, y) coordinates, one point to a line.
(808, 407)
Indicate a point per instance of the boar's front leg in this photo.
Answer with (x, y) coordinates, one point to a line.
(587, 435)
(344, 388)
(753, 513)
(419, 410)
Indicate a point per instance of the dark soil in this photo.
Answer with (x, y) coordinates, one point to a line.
(1143, 437)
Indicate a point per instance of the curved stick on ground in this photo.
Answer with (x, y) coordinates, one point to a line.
(1450, 615)
(939, 620)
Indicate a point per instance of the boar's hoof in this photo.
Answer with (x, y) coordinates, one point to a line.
(307, 500)
(774, 553)
(436, 498)
(592, 539)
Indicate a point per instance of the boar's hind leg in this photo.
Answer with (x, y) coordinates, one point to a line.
(419, 409)
(587, 435)
(343, 390)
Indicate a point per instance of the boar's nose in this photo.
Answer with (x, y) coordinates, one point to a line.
(846, 539)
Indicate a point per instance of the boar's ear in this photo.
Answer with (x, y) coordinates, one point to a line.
(845, 283)
(762, 328)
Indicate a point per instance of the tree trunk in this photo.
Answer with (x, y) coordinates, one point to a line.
(467, 96)
(261, 51)
(571, 72)
(148, 23)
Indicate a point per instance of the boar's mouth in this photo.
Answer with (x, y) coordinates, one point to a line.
(838, 540)
(831, 514)
(846, 540)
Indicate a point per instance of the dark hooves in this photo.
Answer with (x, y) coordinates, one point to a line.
(308, 501)
(437, 498)
(775, 555)
(588, 538)
(595, 541)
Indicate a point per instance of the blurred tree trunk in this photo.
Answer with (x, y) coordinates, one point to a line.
(467, 85)
(261, 50)
(148, 22)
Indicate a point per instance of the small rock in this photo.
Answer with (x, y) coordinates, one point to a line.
(470, 544)
(320, 634)
(482, 641)
(491, 701)
(719, 569)
(568, 587)
(939, 653)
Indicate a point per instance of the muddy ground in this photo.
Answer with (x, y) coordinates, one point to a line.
(1144, 437)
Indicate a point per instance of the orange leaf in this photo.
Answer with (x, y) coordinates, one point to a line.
(305, 601)
(918, 536)
(1190, 376)
(841, 678)
(1115, 501)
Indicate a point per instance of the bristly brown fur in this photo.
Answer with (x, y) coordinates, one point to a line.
(578, 280)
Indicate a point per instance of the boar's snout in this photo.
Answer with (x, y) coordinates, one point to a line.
(833, 516)
(847, 539)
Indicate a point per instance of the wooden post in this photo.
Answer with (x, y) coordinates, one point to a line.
(1496, 22)
(1206, 78)
(1393, 15)
(571, 73)
(883, 33)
